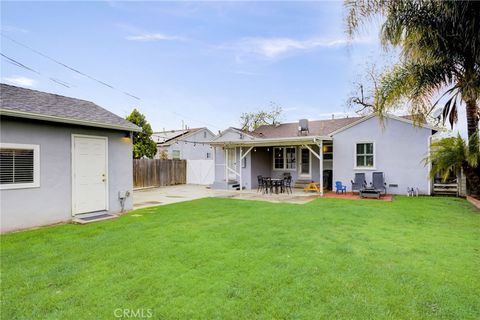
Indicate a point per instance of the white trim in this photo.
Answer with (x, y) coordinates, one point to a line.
(234, 163)
(72, 169)
(36, 116)
(36, 166)
(300, 175)
(246, 153)
(320, 160)
(355, 167)
(231, 129)
(429, 165)
(391, 116)
(268, 142)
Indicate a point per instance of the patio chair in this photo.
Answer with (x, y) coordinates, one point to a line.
(359, 183)
(340, 187)
(267, 185)
(260, 183)
(287, 182)
(378, 182)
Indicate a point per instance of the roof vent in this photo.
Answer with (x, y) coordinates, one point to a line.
(303, 127)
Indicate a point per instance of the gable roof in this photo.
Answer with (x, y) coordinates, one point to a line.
(237, 130)
(315, 128)
(33, 104)
(166, 138)
(406, 119)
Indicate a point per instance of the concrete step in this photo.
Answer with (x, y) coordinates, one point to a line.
(300, 184)
(87, 218)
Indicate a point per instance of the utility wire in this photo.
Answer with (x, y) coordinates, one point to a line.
(67, 66)
(88, 76)
(23, 66)
(19, 64)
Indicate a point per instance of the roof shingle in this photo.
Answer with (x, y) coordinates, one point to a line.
(316, 128)
(22, 100)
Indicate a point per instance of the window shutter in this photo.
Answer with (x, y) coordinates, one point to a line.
(16, 166)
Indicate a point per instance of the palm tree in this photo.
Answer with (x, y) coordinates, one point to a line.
(451, 155)
(440, 54)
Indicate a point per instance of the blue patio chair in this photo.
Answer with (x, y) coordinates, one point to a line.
(340, 187)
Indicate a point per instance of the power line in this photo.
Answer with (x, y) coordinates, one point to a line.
(23, 66)
(19, 64)
(87, 76)
(68, 67)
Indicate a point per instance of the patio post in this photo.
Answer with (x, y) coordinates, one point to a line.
(226, 167)
(321, 166)
(240, 169)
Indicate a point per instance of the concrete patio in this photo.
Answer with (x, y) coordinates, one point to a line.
(179, 193)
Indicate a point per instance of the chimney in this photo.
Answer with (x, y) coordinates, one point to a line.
(302, 127)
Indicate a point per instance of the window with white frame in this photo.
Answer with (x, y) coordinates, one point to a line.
(284, 158)
(19, 166)
(365, 155)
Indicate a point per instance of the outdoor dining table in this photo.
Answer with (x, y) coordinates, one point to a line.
(277, 182)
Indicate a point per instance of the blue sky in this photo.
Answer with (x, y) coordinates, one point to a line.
(201, 62)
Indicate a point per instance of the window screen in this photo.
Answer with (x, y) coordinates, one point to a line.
(16, 166)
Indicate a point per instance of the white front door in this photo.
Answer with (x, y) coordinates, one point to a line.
(231, 163)
(305, 164)
(90, 169)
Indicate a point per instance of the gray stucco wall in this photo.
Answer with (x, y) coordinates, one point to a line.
(260, 162)
(399, 150)
(52, 201)
(190, 151)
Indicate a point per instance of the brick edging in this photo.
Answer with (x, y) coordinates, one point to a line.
(475, 202)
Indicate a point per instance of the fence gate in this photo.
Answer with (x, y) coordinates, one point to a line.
(200, 172)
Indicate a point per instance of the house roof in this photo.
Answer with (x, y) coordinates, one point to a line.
(166, 138)
(315, 128)
(287, 133)
(33, 104)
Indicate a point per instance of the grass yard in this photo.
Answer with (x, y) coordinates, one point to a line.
(412, 258)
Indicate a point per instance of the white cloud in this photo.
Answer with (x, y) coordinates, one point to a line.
(153, 37)
(271, 48)
(20, 81)
(13, 29)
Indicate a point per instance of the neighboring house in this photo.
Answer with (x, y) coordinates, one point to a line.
(60, 157)
(346, 146)
(186, 144)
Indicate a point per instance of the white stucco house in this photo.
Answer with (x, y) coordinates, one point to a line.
(186, 144)
(191, 145)
(326, 151)
(61, 158)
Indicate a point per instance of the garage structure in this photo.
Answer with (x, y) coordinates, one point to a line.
(61, 158)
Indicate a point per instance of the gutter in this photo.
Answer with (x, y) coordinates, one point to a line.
(271, 141)
(36, 116)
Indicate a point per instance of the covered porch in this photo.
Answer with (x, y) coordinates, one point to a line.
(306, 159)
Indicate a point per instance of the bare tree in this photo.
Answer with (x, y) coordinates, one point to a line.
(362, 97)
(250, 121)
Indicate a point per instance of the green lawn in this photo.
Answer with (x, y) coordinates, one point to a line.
(222, 258)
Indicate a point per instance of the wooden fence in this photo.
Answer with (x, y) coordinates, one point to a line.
(157, 173)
